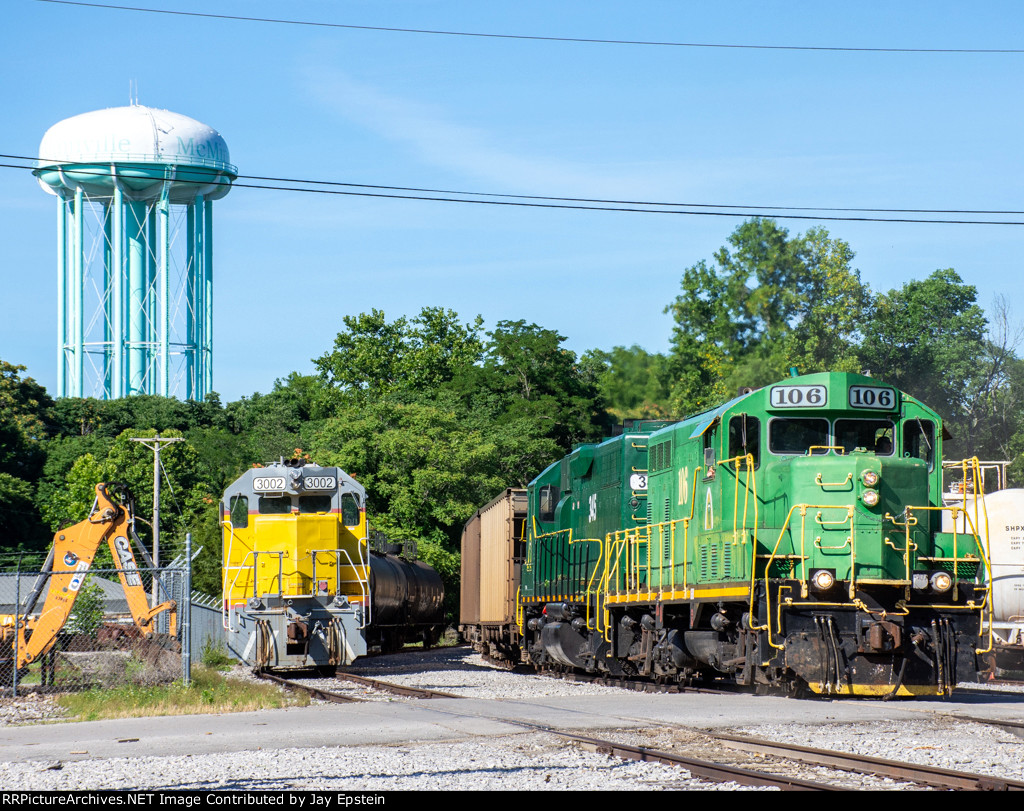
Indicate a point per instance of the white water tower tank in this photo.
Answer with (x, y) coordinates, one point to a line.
(135, 187)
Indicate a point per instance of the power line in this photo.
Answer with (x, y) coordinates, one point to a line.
(626, 202)
(564, 199)
(587, 204)
(581, 40)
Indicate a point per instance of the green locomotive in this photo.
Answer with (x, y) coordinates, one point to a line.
(788, 539)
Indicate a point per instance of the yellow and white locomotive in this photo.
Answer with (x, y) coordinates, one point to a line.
(302, 585)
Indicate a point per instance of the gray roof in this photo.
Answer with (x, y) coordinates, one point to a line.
(15, 587)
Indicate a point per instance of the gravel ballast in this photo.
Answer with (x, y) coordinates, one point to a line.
(526, 760)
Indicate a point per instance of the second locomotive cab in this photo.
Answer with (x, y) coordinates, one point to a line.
(789, 539)
(302, 585)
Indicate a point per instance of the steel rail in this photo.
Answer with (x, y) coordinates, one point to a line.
(315, 692)
(709, 770)
(897, 770)
(338, 698)
(702, 769)
(397, 689)
(1017, 726)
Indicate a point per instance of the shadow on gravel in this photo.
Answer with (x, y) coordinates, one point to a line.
(982, 697)
(416, 661)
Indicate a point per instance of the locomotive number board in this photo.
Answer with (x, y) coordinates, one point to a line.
(276, 484)
(268, 484)
(872, 397)
(319, 483)
(798, 396)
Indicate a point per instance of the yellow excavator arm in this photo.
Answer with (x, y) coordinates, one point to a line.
(74, 549)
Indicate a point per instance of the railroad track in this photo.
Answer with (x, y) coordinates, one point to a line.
(706, 770)
(1016, 727)
(389, 687)
(784, 753)
(623, 683)
(891, 769)
(363, 681)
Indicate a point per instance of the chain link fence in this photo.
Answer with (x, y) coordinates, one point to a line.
(103, 641)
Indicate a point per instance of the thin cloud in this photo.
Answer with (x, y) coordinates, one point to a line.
(429, 134)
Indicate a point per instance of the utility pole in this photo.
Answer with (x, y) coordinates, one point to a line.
(155, 444)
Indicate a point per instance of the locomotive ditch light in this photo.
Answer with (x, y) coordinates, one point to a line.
(869, 497)
(941, 582)
(920, 581)
(870, 478)
(822, 580)
(255, 603)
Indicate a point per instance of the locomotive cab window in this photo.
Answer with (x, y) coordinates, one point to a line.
(240, 511)
(919, 440)
(745, 438)
(710, 460)
(315, 504)
(275, 505)
(349, 510)
(547, 499)
(797, 435)
(871, 435)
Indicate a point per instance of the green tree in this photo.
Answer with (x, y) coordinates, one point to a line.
(266, 427)
(424, 470)
(373, 357)
(88, 610)
(21, 527)
(633, 382)
(769, 302)
(826, 329)
(527, 375)
(24, 402)
(928, 339)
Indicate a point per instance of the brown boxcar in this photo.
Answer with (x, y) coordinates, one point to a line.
(492, 554)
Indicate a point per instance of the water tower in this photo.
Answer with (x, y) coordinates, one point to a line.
(135, 188)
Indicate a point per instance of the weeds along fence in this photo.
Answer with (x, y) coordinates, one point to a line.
(106, 641)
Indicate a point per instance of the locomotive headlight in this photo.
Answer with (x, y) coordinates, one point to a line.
(869, 497)
(822, 580)
(870, 478)
(941, 581)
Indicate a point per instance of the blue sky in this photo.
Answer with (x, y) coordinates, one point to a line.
(722, 126)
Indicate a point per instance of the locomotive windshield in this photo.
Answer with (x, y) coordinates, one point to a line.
(798, 435)
(787, 435)
(320, 503)
(275, 505)
(872, 435)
